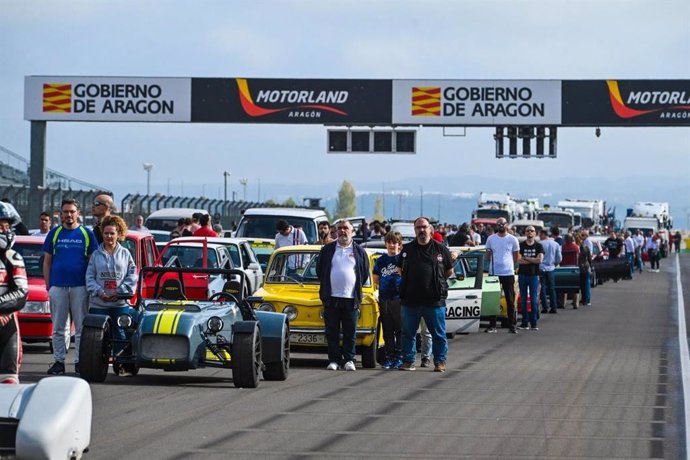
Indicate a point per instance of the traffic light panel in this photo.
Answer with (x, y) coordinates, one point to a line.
(527, 134)
(372, 141)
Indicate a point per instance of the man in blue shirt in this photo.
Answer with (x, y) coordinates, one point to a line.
(552, 257)
(67, 250)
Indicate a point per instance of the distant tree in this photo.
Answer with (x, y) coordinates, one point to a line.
(270, 202)
(346, 204)
(378, 209)
(290, 202)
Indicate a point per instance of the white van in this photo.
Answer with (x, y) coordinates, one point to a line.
(261, 222)
(166, 219)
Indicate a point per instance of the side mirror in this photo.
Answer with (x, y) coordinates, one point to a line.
(254, 266)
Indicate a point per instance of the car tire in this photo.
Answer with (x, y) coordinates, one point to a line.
(246, 358)
(279, 370)
(94, 353)
(369, 353)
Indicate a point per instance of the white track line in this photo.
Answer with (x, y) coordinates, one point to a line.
(684, 355)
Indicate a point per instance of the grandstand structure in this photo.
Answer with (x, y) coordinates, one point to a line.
(14, 185)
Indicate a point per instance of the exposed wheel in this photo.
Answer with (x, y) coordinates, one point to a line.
(246, 359)
(369, 353)
(94, 353)
(279, 370)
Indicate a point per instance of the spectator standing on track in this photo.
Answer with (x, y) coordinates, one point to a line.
(67, 250)
(195, 225)
(531, 255)
(502, 251)
(425, 266)
(101, 208)
(556, 235)
(584, 261)
(291, 236)
(676, 240)
(570, 256)
(653, 253)
(552, 257)
(324, 229)
(342, 269)
(629, 244)
(387, 278)
(44, 222)
(614, 245)
(139, 225)
(13, 292)
(205, 228)
(639, 246)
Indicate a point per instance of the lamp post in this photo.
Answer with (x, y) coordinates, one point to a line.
(225, 180)
(244, 181)
(148, 167)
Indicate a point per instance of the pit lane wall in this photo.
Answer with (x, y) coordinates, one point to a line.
(359, 102)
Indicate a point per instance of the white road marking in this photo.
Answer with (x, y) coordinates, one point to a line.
(684, 355)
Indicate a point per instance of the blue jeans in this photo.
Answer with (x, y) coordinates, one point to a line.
(631, 260)
(530, 282)
(548, 286)
(435, 319)
(638, 258)
(586, 287)
(341, 314)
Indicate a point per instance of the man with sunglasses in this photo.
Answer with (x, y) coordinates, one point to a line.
(67, 250)
(101, 207)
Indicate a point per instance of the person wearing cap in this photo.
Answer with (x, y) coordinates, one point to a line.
(13, 292)
(288, 235)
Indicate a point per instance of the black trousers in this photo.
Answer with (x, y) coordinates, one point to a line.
(508, 288)
(9, 347)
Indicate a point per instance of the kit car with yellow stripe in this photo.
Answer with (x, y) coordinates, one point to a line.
(173, 332)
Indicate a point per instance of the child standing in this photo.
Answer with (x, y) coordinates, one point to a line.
(387, 278)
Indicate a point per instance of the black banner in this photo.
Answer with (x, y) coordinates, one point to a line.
(626, 103)
(307, 101)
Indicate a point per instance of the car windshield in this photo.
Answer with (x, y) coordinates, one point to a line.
(555, 220)
(33, 258)
(265, 226)
(294, 267)
(491, 213)
(190, 256)
(131, 246)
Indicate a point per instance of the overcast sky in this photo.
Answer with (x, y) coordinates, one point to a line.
(511, 39)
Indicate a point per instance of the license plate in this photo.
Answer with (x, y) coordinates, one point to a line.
(307, 339)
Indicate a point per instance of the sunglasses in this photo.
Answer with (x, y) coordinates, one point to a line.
(99, 203)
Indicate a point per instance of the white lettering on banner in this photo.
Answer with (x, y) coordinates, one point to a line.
(682, 115)
(302, 97)
(658, 97)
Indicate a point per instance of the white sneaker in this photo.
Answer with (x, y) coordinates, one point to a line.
(349, 366)
(332, 367)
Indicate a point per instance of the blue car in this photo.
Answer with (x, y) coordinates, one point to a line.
(176, 326)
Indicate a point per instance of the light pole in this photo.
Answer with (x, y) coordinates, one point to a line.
(225, 179)
(244, 181)
(148, 167)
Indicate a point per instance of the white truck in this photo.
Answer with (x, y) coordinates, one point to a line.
(592, 212)
(563, 219)
(657, 210)
(648, 225)
(491, 206)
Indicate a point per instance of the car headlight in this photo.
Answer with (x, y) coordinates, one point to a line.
(124, 321)
(321, 313)
(37, 307)
(214, 324)
(267, 307)
(291, 312)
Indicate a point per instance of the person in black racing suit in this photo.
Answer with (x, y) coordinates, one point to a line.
(13, 291)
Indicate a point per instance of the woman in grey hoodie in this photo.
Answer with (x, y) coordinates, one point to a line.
(111, 276)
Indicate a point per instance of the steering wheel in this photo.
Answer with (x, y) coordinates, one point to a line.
(225, 295)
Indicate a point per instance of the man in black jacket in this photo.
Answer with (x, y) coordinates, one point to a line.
(342, 269)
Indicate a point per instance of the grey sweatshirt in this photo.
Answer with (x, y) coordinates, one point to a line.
(106, 272)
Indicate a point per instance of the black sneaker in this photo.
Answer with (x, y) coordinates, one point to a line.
(57, 368)
(76, 369)
(491, 330)
(426, 362)
(525, 327)
(513, 330)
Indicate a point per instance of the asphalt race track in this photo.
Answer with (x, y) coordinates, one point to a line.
(598, 382)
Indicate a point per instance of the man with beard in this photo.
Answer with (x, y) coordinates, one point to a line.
(425, 266)
(324, 233)
(502, 250)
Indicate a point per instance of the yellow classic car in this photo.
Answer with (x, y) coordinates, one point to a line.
(292, 287)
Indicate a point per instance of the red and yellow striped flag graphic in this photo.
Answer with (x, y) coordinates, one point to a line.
(426, 102)
(57, 97)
